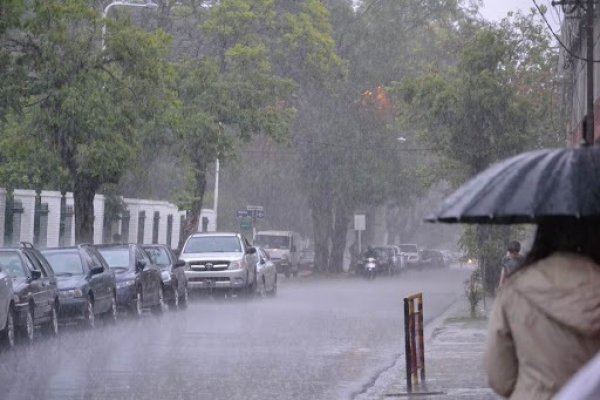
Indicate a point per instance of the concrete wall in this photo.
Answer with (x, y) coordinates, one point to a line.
(53, 200)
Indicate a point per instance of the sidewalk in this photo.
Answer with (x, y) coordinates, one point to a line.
(454, 347)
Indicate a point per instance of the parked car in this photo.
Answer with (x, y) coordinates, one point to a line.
(220, 261)
(86, 284)
(7, 308)
(411, 252)
(266, 274)
(307, 259)
(139, 283)
(172, 272)
(35, 290)
(400, 259)
(282, 247)
(432, 258)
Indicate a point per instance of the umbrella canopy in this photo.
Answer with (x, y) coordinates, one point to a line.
(529, 188)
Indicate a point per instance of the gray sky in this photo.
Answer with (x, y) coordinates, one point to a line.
(495, 10)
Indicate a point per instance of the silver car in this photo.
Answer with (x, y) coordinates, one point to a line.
(266, 274)
(223, 261)
(7, 309)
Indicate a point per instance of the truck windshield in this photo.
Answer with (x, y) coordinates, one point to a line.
(213, 244)
(272, 241)
(408, 248)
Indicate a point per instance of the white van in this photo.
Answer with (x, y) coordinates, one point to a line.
(282, 247)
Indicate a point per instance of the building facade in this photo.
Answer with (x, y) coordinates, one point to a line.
(47, 220)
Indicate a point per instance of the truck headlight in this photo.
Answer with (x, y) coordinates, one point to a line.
(237, 264)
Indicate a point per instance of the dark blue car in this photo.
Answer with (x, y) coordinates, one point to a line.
(36, 300)
(174, 281)
(139, 284)
(86, 284)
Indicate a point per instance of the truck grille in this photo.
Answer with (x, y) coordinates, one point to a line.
(209, 265)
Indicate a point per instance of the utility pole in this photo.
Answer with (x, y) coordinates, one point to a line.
(589, 40)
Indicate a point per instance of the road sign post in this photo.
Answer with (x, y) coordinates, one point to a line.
(360, 225)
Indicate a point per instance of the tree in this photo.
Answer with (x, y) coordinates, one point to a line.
(486, 108)
(88, 106)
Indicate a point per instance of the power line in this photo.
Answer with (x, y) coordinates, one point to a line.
(558, 39)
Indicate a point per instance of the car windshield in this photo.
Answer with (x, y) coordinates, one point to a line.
(272, 241)
(408, 248)
(158, 256)
(213, 244)
(65, 263)
(10, 262)
(116, 257)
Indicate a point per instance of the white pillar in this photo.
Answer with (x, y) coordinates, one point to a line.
(98, 218)
(27, 199)
(2, 211)
(52, 198)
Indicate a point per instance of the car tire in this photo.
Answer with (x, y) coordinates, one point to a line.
(183, 302)
(50, 328)
(112, 314)
(158, 308)
(89, 316)
(273, 291)
(26, 332)
(137, 308)
(262, 292)
(174, 304)
(8, 334)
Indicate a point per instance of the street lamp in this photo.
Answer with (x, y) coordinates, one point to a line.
(148, 4)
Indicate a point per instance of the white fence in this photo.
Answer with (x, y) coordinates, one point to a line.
(51, 223)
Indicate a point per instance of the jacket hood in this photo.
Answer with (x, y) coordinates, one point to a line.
(565, 288)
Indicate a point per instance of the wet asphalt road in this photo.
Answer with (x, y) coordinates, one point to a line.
(318, 339)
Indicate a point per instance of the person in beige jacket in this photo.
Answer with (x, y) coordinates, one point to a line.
(545, 324)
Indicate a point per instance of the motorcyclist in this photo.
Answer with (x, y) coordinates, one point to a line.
(370, 253)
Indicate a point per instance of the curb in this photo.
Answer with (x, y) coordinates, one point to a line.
(376, 387)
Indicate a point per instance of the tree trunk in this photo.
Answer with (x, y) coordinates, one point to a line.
(193, 216)
(322, 220)
(84, 191)
(338, 239)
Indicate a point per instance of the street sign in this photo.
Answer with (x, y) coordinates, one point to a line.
(259, 214)
(246, 223)
(255, 208)
(359, 222)
(243, 213)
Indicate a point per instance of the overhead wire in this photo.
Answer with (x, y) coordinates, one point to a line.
(557, 37)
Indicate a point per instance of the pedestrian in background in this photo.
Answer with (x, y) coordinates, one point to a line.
(512, 261)
(545, 324)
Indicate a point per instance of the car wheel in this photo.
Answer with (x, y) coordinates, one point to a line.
(251, 288)
(273, 291)
(263, 288)
(89, 317)
(138, 306)
(51, 327)
(112, 314)
(8, 334)
(174, 306)
(27, 330)
(158, 308)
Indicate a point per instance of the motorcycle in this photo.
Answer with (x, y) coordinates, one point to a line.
(370, 268)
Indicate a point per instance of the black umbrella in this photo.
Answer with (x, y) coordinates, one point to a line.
(529, 188)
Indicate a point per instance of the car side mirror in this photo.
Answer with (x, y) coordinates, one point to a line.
(251, 250)
(179, 264)
(140, 265)
(36, 274)
(97, 270)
